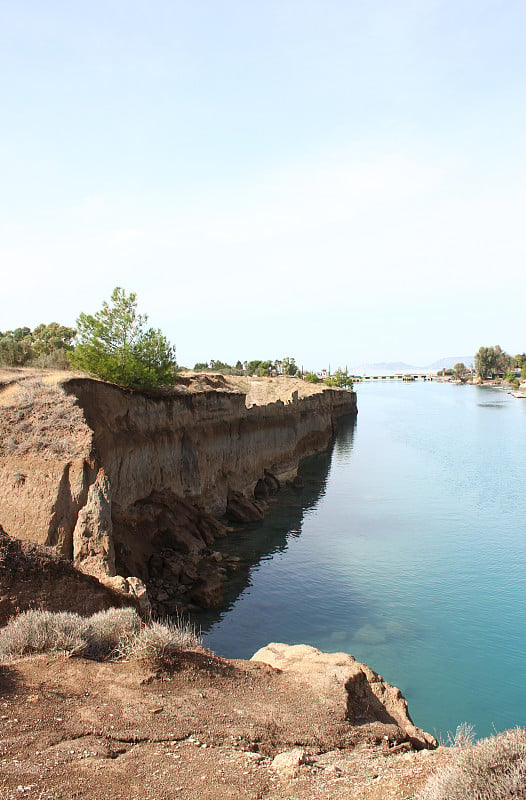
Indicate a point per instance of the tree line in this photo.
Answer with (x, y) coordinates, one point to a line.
(492, 362)
(116, 345)
(44, 346)
(261, 368)
(113, 344)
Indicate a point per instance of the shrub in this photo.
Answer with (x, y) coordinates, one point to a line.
(493, 769)
(42, 631)
(108, 632)
(463, 736)
(159, 642)
(116, 634)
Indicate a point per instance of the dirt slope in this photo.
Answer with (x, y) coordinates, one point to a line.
(208, 729)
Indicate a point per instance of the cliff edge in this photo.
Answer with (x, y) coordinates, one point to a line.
(134, 484)
(203, 727)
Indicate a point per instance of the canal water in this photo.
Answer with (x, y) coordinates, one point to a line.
(406, 548)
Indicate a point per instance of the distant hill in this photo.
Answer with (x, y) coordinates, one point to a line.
(449, 362)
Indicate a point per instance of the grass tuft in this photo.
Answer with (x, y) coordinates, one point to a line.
(40, 632)
(492, 769)
(464, 736)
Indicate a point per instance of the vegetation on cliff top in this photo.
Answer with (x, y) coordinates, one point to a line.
(44, 346)
(492, 769)
(115, 634)
(115, 345)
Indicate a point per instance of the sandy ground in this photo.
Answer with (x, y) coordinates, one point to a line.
(207, 728)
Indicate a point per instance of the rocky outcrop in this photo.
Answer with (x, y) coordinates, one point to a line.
(93, 548)
(138, 481)
(362, 696)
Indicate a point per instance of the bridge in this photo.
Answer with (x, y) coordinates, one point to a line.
(397, 377)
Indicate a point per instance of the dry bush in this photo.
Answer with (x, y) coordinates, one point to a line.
(158, 642)
(463, 736)
(116, 634)
(40, 632)
(109, 631)
(492, 769)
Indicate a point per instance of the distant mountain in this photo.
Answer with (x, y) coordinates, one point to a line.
(448, 363)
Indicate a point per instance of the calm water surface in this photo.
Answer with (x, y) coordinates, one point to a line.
(407, 548)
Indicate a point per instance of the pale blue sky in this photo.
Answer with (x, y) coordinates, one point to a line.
(338, 181)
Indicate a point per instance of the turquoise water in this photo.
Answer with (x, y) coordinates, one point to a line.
(407, 548)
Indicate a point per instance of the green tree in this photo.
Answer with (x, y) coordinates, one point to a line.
(289, 366)
(491, 360)
(15, 347)
(460, 371)
(340, 378)
(46, 339)
(260, 368)
(311, 377)
(115, 345)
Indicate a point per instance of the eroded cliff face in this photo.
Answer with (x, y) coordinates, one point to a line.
(131, 484)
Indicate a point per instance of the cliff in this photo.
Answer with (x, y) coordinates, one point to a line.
(132, 484)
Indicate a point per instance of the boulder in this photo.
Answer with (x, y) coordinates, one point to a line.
(207, 591)
(241, 509)
(297, 482)
(133, 587)
(271, 481)
(261, 490)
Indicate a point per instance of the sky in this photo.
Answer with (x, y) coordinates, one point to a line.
(340, 182)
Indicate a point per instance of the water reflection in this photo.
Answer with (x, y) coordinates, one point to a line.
(260, 541)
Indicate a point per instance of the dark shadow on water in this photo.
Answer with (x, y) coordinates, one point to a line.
(261, 540)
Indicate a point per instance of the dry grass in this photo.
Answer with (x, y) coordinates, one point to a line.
(463, 736)
(108, 630)
(492, 769)
(42, 631)
(159, 642)
(39, 417)
(116, 634)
